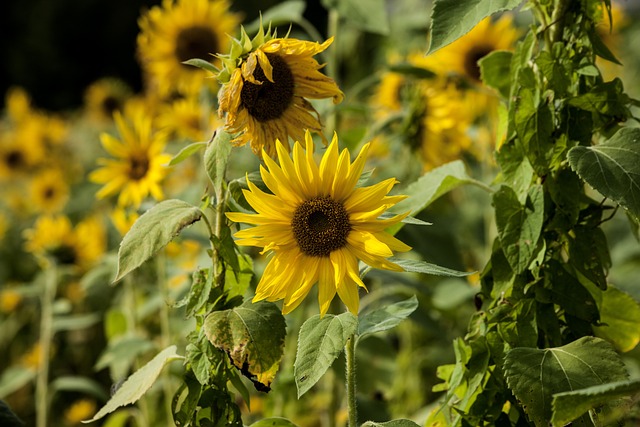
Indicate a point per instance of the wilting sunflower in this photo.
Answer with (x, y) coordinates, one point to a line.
(178, 31)
(139, 165)
(49, 191)
(104, 97)
(317, 224)
(265, 90)
(461, 57)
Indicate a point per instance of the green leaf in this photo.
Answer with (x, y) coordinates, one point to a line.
(568, 293)
(517, 171)
(430, 186)
(138, 383)
(201, 283)
(237, 283)
(534, 125)
(202, 64)
(75, 322)
(607, 101)
(569, 405)
(186, 152)
(367, 15)
(620, 319)
(279, 14)
(252, 335)
(384, 318)
(320, 342)
(14, 378)
(519, 226)
(612, 168)
(273, 422)
(393, 423)
(153, 231)
(417, 266)
(78, 384)
(495, 69)
(451, 19)
(216, 156)
(409, 69)
(121, 353)
(535, 375)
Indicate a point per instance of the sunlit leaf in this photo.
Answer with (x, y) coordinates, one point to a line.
(186, 152)
(153, 231)
(387, 317)
(320, 342)
(417, 266)
(138, 383)
(252, 335)
(535, 375)
(620, 319)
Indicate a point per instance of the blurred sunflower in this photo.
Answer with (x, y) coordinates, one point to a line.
(18, 154)
(317, 224)
(139, 165)
(104, 97)
(461, 57)
(123, 219)
(9, 300)
(49, 191)
(80, 410)
(187, 118)
(265, 91)
(178, 31)
(18, 104)
(55, 238)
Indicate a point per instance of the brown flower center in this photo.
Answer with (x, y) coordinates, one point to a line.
(196, 42)
(471, 59)
(269, 100)
(138, 167)
(110, 104)
(320, 226)
(64, 254)
(14, 159)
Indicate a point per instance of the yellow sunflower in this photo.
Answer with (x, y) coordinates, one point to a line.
(49, 191)
(265, 96)
(139, 165)
(105, 96)
(19, 154)
(317, 224)
(187, 118)
(461, 57)
(178, 31)
(80, 410)
(123, 219)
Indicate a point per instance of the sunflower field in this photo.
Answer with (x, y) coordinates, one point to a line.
(376, 213)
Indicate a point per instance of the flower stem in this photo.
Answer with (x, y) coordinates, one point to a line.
(350, 354)
(46, 336)
(165, 330)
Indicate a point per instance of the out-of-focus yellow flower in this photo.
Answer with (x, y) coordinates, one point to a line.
(18, 104)
(19, 154)
(32, 358)
(123, 219)
(104, 97)
(9, 300)
(80, 410)
(48, 191)
(187, 118)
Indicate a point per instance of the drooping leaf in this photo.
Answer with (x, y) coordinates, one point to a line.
(201, 283)
(402, 422)
(535, 375)
(417, 266)
(153, 231)
(216, 156)
(367, 15)
(620, 319)
(320, 342)
(78, 384)
(569, 405)
(252, 334)
(607, 101)
(451, 19)
(495, 69)
(387, 317)
(519, 226)
(186, 152)
(612, 168)
(138, 383)
(517, 171)
(430, 186)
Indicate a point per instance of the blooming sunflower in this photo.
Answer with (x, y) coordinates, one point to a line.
(105, 96)
(187, 118)
(265, 90)
(49, 191)
(139, 167)
(18, 154)
(182, 30)
(317, 224)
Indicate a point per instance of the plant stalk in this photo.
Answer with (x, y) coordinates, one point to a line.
(350, 355)
(46, 336)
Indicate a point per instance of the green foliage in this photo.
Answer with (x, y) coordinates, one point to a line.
(273, 422)
(187, 152)
(153, 231)
(536, 375)
(416, 266)
(216, 156)
(393, 423)
(495, 69)
(368, 15)
(385, 318)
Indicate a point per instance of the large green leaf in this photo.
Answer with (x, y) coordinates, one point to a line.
(620, 319)
(569, 405)
(320, 342)
(495, 69)
(519, 226)
(612, 167)
(535, 375)
(138, 383)
(153, 231)
(534, 125)
(252, 334)
(387, 317)
(417, 266)
(451, 19)
(367, 15)
(430, 186)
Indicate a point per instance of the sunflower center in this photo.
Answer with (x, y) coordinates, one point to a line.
(320, 226)
(269, 100)
(196, 42)
(64, 254)
(138, 167)
(14, 159)
(49, 193)
(471, 59)
(110, 104)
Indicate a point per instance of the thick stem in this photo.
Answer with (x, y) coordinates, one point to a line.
(350, 355)
(558, 21)
(165, 331)
(46, 336)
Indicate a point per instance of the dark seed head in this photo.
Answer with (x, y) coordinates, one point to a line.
(471, 59)
(196, 42)
(138, 167)
(320, 226)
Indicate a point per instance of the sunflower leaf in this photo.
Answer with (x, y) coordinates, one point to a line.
(186, 152)
(367, 15)
(452, 19)
(387, 317)
(201, 63)
(536, 375)
(153, 231)
(416, 266)
(138, 383)
(252, 334)
(320, 341)
(216, 157)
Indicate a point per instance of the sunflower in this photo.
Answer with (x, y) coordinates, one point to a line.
(461, 57)
(182, 30)
(19, 154)
(187, 118)
(104, 97)
(55, 238)
(80, 410)
(49, 191)
(317, 224)
(139, 167)
(266, 90)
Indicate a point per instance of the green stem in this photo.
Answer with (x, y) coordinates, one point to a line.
(165, 331)
(558, 21)
(350, 355)
(46, 336)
